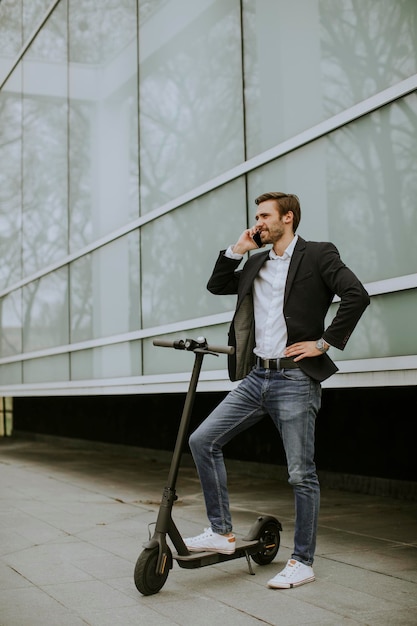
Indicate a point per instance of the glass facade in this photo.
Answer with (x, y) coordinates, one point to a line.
(308, 60)
(191, 99)
(134, 137)
(103, 119)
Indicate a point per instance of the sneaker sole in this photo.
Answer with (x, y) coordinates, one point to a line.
(272, 585)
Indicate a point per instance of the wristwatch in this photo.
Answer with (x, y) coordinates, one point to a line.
(322, 345)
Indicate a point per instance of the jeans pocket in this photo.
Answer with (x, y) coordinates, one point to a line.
(295, 375)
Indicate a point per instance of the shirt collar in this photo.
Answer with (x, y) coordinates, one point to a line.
(288, 251)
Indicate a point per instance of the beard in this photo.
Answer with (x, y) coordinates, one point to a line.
(272, 235)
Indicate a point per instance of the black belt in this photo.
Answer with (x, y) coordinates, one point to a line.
(276, 364)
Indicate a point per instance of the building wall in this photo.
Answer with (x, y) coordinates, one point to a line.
(134, 137)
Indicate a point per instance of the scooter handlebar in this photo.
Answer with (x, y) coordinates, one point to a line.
(221, 349)
(191, 344)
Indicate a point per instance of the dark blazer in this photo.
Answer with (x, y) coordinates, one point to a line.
(315, 275)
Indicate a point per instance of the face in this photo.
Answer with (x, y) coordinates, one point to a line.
(269, 222)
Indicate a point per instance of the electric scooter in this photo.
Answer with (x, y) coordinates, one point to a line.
(153, 564)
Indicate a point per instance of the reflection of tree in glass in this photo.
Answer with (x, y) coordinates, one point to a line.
(80, 192)
(134, 281)
(371, 164)
(164, 283)
(191, 108)
(100, 30)
(10, 188)
(11, 324)
(10, 28)
(45, 227)
(178, 254)
(81, 299)
(50, 43)
(366, 46)
(92, 290)
(372, 169)
(45, 311)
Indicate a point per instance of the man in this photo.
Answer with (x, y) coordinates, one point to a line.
(281, 353)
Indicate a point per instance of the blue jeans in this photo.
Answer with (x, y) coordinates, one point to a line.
(292, 399)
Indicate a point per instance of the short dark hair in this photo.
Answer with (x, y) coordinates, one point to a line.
(285, 202)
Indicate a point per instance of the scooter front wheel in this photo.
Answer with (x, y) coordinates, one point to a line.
(270, 539)
(147, 580)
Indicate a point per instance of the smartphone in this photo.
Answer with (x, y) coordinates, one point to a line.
(257, 239)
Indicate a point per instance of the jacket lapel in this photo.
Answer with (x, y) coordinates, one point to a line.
(297, 255)
(252, 268)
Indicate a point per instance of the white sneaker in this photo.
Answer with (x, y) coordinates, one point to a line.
(209, 541)
(294, 574)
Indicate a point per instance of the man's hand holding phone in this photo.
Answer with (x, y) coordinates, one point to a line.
(250, 239)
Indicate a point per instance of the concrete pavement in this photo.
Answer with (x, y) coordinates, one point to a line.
(74, 515)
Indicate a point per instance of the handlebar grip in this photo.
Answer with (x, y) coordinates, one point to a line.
(181, 345)
(221, 349)
(163, 343)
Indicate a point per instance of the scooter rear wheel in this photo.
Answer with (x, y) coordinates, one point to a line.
(270, 537)
(147, 580)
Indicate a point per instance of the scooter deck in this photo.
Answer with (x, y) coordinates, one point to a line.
(200, 559)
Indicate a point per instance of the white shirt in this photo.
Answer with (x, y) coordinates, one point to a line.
(268, 303)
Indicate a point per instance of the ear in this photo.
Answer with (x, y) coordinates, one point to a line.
(288, 217)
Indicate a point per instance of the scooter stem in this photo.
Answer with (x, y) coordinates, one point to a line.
(164, 522)
(185, 421)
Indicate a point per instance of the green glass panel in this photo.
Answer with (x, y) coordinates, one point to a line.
(191, 112)
(45, 312)
(46, 369)
(11, 324)
(45, 146)
(179, 251)
(357, 187)
(308, 60)
(103, 118)
(115, 361)
(387, 328)
(105, 290)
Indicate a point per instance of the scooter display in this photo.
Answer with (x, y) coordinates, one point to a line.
(155, 561)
